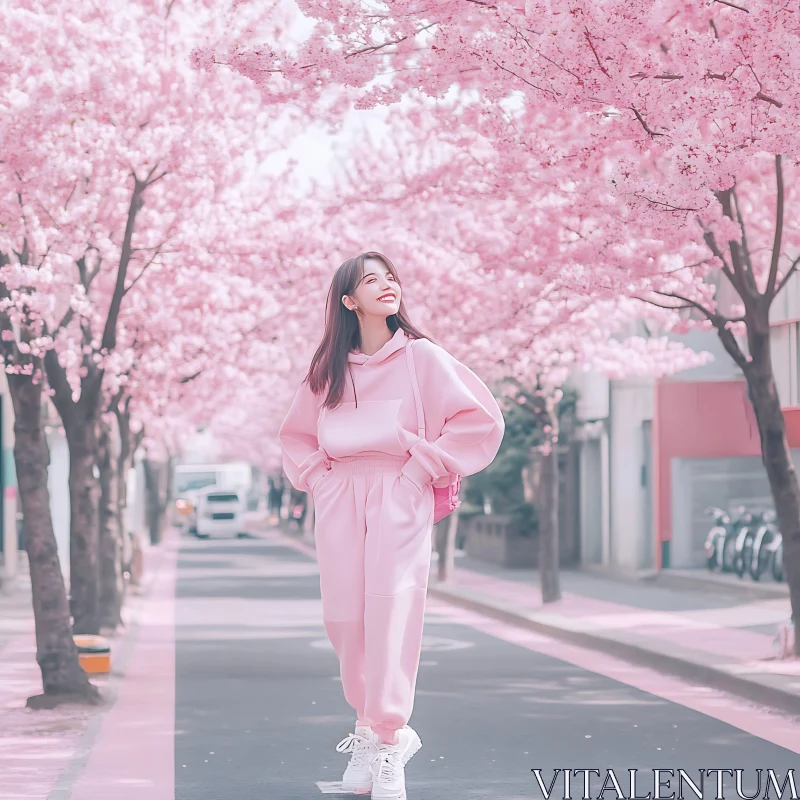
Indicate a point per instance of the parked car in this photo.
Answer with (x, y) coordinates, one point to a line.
(218, 512)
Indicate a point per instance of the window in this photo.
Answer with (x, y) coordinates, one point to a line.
(195, 480)
(223, 498)
(785, 343)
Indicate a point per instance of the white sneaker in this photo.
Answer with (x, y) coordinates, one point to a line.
(363, 744)
(388, 765)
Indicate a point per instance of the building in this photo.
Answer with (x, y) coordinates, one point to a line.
(655, 454)
(9, 533)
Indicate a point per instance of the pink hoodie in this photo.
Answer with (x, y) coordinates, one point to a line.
(463, 422)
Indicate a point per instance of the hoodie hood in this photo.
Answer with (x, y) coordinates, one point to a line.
(397, 342)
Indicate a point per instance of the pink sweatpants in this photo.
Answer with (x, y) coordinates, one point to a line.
(373, 537)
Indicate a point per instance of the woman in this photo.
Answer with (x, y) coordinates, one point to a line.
(351, 440)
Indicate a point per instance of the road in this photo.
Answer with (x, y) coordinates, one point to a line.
(259, 708)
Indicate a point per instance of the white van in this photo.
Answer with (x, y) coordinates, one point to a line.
(218, 512)
(189, 480)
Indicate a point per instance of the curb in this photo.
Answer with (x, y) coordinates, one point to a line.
(693, 581)
(760, 693)
(745, 587)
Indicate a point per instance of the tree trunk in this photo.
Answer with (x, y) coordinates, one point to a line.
(447, 548)
(62, 676)
(112, 584)
(124, 462)
(548, 527)
(153, 500)
(84, 491)
(164, 497)
(776, 455)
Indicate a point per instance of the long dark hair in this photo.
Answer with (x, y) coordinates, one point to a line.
(342, 331)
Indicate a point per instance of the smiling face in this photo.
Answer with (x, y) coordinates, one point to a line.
(377, 294)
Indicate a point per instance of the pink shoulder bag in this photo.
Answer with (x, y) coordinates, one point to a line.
(445, 498)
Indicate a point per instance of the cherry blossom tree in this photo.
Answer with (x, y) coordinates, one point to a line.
(685, 166)
(125, 173)
(471, 276)
(496, 291)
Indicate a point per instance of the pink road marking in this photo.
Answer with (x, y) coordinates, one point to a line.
(761, 722)
(133, 755)
(764, 723)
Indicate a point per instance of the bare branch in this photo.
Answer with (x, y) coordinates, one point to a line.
(144, 269)
(785, 278)
(760, 94)
(776, 243)
(66, 319)
(732, 5)
(72, 191)
(766, 98)
(721, 323)
(374, 48)
(596, 57)
(665, 205)
(57, 378)
(667, 308)
(645, 125)
(190, 378)
(525, 80)
(710, 315)
(745, 279)
(109, 339)
(114, 404)
(745, 249)
(149, 181)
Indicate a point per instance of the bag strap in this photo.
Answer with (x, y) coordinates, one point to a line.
(415, 388)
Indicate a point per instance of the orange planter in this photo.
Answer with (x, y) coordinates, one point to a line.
(94, 653)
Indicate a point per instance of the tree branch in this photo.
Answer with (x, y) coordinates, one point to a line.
(776, 243)
(109, 339)
(144, 269)
(785, 278)
(732, 5)
(745, 249)
(710, 315)
(57, 378)
(594, 51)
(645, 125)
(85, 276)
(721, 324)
(732, 348)
(708, 238)
(190, 378)
(524, 80)
(667, 308)
(660, 203)
(747, 287)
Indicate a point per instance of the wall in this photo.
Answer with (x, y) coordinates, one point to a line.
(592, 432)
(58, 486)
(700, 483)
(697, 420)
(631, 407)
(8, 528)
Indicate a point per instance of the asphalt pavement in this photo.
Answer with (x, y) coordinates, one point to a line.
(259, 708)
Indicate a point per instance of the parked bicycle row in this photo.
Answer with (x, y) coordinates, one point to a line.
(744, 541)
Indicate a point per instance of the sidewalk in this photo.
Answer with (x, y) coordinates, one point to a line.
(15, 605)
(723, 640)
(51, 754)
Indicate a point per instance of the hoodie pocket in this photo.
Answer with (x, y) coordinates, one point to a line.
(373, 426)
